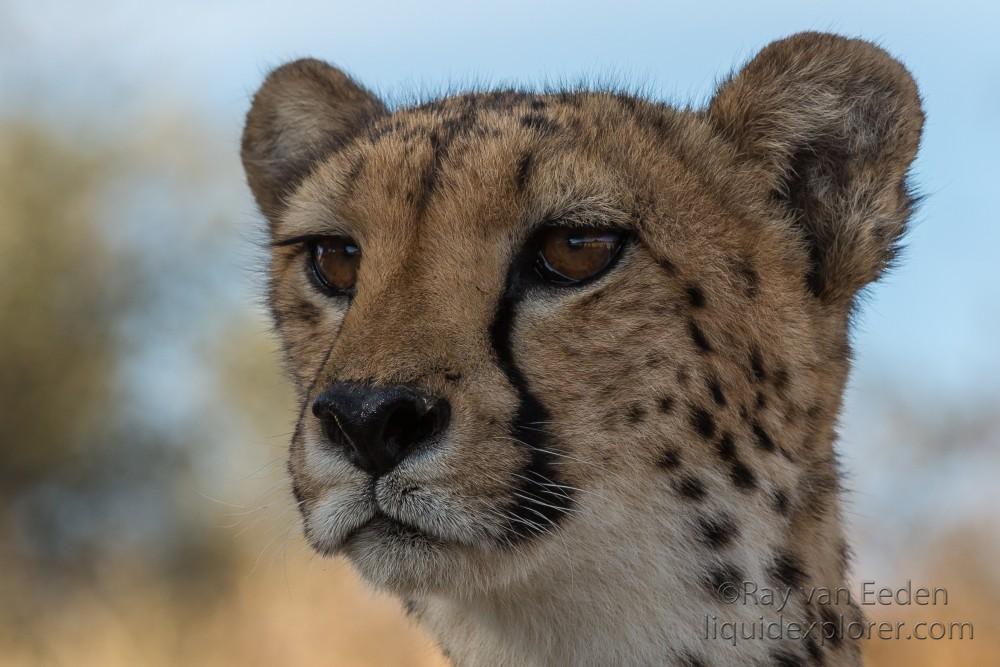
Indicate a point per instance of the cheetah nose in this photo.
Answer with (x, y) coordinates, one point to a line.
(378, 426)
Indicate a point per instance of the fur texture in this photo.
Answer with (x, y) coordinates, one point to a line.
(622, 454)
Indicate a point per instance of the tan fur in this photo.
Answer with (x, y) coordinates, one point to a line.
(692, 391)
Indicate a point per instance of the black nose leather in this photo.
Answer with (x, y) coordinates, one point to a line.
(377, 426)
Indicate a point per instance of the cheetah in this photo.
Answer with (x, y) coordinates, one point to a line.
(569, 364)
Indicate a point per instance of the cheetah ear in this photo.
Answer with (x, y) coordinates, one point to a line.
(303, 111)
(831, 125)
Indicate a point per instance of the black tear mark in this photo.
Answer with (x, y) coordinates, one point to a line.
(541, 502)
(764, 441)
(703, 422)
(698, 336)
(691, 488)
(718, 532)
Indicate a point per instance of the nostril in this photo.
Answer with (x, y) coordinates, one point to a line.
(416, 421)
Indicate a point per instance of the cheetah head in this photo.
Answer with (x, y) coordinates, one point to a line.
(532, 331)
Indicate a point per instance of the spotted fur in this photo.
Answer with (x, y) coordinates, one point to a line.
(622, 451)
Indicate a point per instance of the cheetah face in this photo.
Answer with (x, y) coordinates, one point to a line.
(525, 325)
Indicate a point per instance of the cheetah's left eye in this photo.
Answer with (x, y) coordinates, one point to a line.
(568, 256)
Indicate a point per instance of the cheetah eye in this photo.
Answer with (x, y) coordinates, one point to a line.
(334, 263)
(571, 255)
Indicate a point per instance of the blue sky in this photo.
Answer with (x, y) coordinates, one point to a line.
(930, 326)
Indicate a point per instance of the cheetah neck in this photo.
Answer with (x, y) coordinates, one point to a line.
(638, 592)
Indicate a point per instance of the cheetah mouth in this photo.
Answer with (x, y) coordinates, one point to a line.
(383, 527)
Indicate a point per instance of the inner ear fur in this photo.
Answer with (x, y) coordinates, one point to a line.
(831, 126)
(304, 110)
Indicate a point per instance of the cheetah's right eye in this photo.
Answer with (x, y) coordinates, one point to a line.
(334, 263)
(569, 256)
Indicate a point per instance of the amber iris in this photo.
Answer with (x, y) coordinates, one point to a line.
(335, 262)
(567, 256)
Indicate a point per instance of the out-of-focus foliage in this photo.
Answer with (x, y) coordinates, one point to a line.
(58, 310)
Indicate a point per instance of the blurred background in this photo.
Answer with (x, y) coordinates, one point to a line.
(145, 518)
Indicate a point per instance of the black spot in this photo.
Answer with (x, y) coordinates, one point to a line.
(716, 389)
(537, 105)
(780, 379)
(452, 376)
(781, 503)
(703, 422)
(742, 477)
(698, 336)
(691, 488)
(718, 532)
(749, 277)
(723, 579)
(830, 627)
(636, 413)
(626, 101)
(812, 648)
(786, 659)
(761, 400)
(668, 267)
(763, 439)
(536, 121)
(757, 365)
(696, 297)
(670, 459)
(727, 448)
(305, 312)
(665, 404)
(689, 660)
(523, 171)
(683, 376)
(357, 166)
(787, 570)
